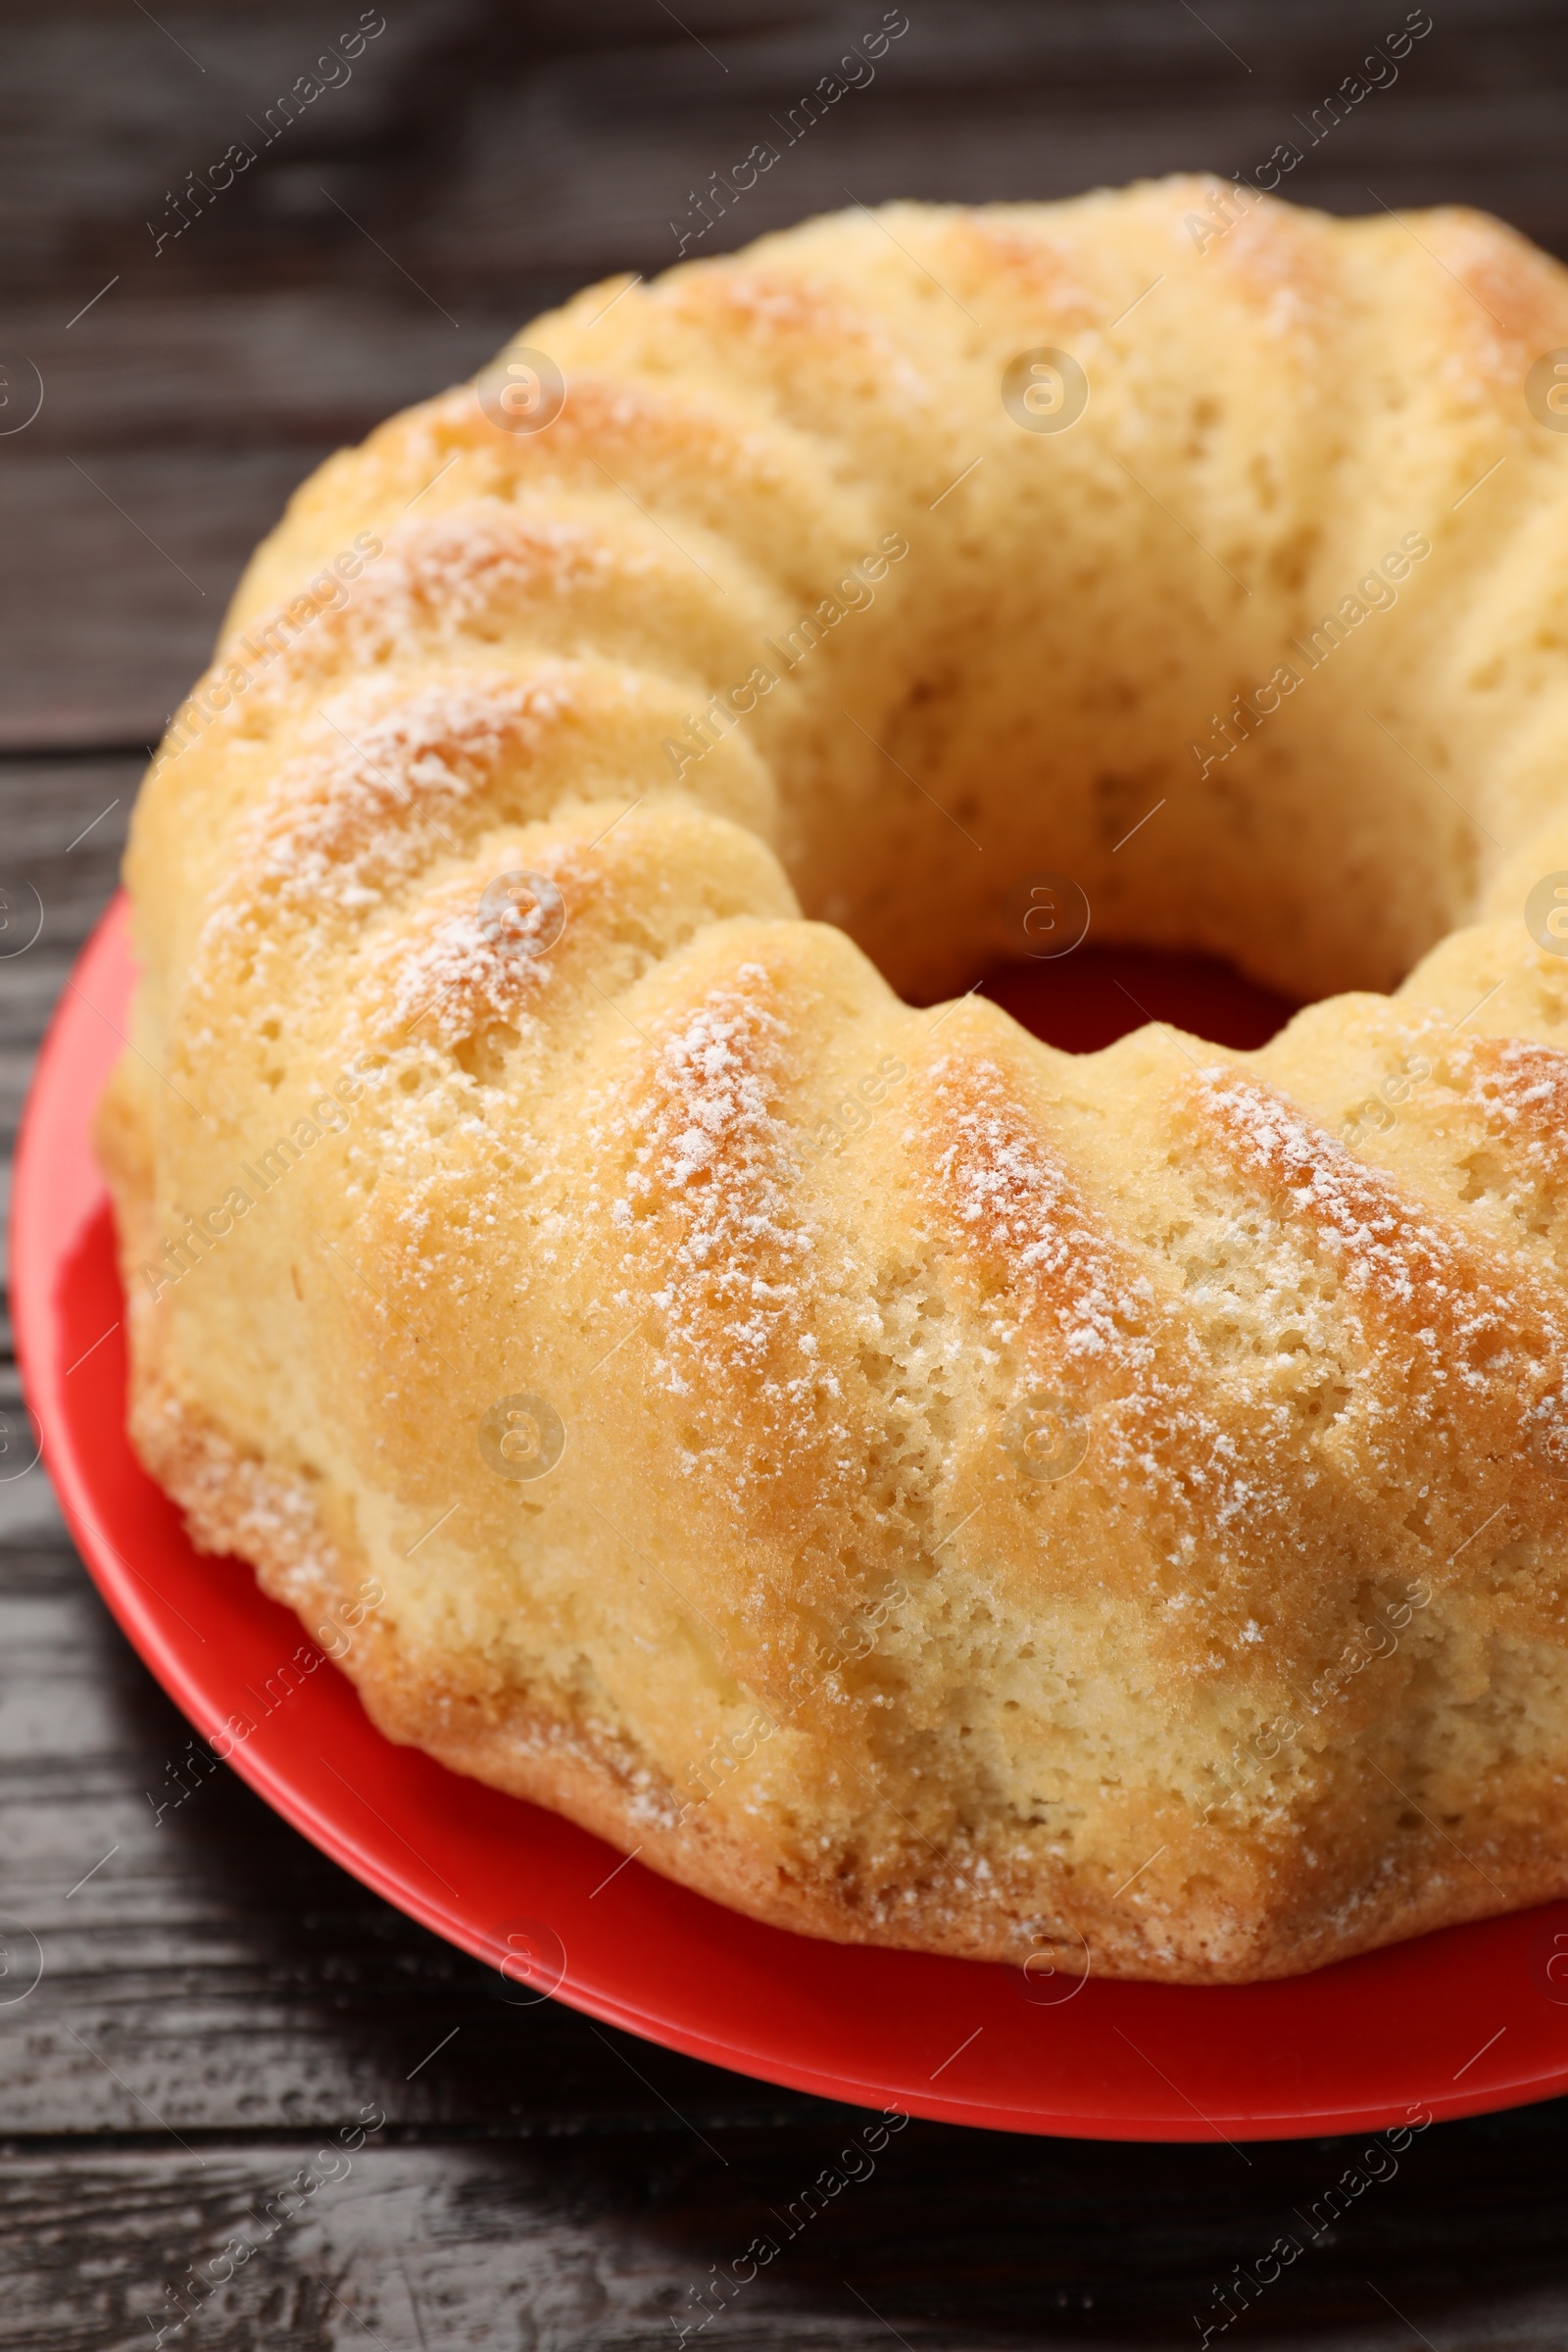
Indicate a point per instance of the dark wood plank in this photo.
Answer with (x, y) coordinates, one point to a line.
(618, 2239)
(62, 831)
(128, 566)
(283, 367)
(485, 144)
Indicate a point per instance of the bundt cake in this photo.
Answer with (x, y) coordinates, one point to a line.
(911, 1484)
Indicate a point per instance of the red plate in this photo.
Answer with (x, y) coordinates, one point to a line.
(1454, 2024)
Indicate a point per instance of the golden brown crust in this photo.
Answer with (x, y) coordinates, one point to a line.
(990, 1501)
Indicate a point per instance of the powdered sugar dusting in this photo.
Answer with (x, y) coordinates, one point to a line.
(234, 1502)
(1520, 1090)
(1017, 1200)
(467, 571)
(372, 797)
(468, 964)
(1068, 1301)
(708, 1194)
(1461, 1323)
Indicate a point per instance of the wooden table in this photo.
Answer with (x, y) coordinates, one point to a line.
(216, 1997)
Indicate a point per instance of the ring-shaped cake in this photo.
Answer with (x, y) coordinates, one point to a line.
(696, 1367)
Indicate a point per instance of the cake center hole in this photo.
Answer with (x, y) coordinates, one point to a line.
(1087, 999)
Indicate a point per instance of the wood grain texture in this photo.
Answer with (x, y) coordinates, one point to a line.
(216, 2000)
(603, 2242)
